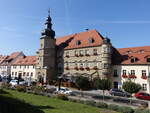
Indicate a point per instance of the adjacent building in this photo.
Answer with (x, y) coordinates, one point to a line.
(6, 62)
(134, 64)
(24, 67)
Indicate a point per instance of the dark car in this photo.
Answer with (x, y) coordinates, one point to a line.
(142, 95)
(118, 92)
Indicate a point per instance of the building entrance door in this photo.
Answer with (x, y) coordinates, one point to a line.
(116, 85)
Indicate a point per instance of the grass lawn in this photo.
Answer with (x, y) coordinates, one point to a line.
(41, 104)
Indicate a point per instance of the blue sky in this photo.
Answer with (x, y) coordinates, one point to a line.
(125, 22)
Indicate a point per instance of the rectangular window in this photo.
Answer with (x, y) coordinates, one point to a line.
(20, 67)
(31, 74)
(27, 73)
(76, 53)
(12, 73)
(124, 72)
(144, 87)
(94, 51)
(81, 52)
(67, 54)
(143, 72)
(15, 73)
(132, 72)
(24, 73)
(87, 52)
(106, 65)
(105, 49)
(115, 73)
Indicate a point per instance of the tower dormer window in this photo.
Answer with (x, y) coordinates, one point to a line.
(78, 42)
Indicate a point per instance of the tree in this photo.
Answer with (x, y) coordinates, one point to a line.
(131, 87)
(102, 84)
(82, 82)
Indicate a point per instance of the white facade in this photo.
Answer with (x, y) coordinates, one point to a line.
(120, 70)
(26, 72)
(3, 70)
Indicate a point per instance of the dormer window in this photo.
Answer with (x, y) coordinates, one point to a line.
(134, 60)
(141, 51)
(91, 40)
(78, 42)
(128, 52)
(148, 59)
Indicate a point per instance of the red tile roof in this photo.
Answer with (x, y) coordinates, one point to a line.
(14, 55)
(2, 58)
(83, 37)
(140, 53)
(27, 60)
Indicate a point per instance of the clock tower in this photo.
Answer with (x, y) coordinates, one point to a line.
(46, 55)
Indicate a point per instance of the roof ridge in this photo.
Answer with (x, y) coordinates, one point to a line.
(133, 47)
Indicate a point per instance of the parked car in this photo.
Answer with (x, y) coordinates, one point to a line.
(15, 82)
(118, 92)
(142, 95)
(64, 90)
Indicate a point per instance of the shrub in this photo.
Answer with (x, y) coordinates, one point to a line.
(21, 88)
(90, 102)
(122, 100)
(37, 89)
(102, 84)
(142, 111)
(113, 107)
(101, 105)
(82, 82)
(131, 87)
(62, 96)
(124, 109)
(5, 85)
(72, 100)
(80, 101)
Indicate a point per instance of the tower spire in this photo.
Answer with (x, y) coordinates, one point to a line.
(48, 31)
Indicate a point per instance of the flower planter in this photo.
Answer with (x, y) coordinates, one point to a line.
(144, 77)
(124, 76)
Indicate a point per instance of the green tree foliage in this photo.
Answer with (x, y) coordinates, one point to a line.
(131, 87)
(102, 84)
(82, 82)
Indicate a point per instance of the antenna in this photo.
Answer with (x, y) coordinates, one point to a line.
(48, 11)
